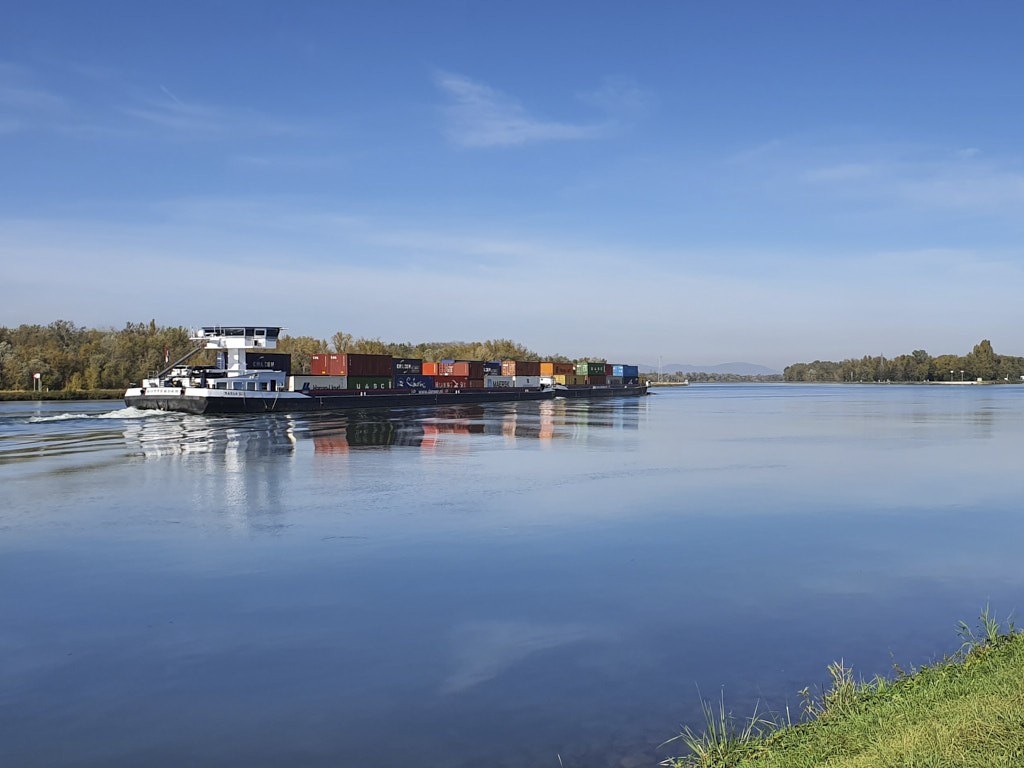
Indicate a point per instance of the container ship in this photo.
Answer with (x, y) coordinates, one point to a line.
(249, 377)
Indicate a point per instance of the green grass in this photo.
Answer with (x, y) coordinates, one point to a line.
(965, 712)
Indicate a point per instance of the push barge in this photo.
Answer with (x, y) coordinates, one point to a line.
(249, 378)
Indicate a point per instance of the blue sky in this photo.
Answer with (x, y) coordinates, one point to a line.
(705, 182)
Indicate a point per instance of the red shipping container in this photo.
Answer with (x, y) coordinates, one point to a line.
(595, 381)
(429, 369)
(453, 369)
(362, 365)
(475, 384)
(319, 365)
(608, 369)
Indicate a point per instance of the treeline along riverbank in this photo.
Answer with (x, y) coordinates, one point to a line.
(981, 363)
(71, 358)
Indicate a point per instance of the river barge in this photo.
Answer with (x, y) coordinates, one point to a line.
(249, 378)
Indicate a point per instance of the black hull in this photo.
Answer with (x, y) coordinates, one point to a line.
(328, 402)
(598, 392)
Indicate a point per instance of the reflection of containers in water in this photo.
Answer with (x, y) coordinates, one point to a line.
(596, 381)
(413, 381)
(406, 365)
(520, 368)
(429, 369)
(500, 381)
(299, 383)
(526, 381)
(269, 361)
(492, 368)
(369, 382)
(370, 433)
(590, 369)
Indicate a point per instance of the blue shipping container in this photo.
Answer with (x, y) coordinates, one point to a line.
(617, 370)
(414, 381)
(630, 371)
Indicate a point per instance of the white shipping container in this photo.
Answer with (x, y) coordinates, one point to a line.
(499, 381)
(298, 383)
(547, 381)
(526, 381)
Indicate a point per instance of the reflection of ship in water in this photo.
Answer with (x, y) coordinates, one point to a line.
(187, 434)
(449, 428)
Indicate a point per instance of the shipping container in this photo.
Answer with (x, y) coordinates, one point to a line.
(470, 369)
(617, 370)
(269, 361)
(596, 381)
(631, 381)
(614, 381)
(526, 381)
(367, 365)
(351, 365)
(429, 369)
(299, 383)
(500, 381)
(475, 384)
(406, 365)
(451, 382)
(320, 365)
(557, 369)
(370, 382)
(590, 369)
(630, 371)
(520, 368)
(413, 381)
(608, 369)
(492, 368)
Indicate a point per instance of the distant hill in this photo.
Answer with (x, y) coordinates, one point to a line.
(740, 369)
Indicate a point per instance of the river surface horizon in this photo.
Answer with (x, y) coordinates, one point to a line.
(512, 585)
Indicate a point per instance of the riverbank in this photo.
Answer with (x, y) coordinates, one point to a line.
(967, 711)
(62, 394)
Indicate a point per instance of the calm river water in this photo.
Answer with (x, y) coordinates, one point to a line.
(506, 585)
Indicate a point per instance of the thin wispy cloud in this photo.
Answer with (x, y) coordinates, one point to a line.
(24, 104)
(191, 119)
(481, 116)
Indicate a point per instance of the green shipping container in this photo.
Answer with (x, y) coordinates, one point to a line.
(590, 369)
(369, 382)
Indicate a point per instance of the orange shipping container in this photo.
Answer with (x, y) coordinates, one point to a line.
(429, 369)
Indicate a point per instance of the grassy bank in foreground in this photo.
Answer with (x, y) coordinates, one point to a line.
(62, 394)
(965, 712)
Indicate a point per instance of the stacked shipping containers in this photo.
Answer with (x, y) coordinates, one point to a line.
(360, 371)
